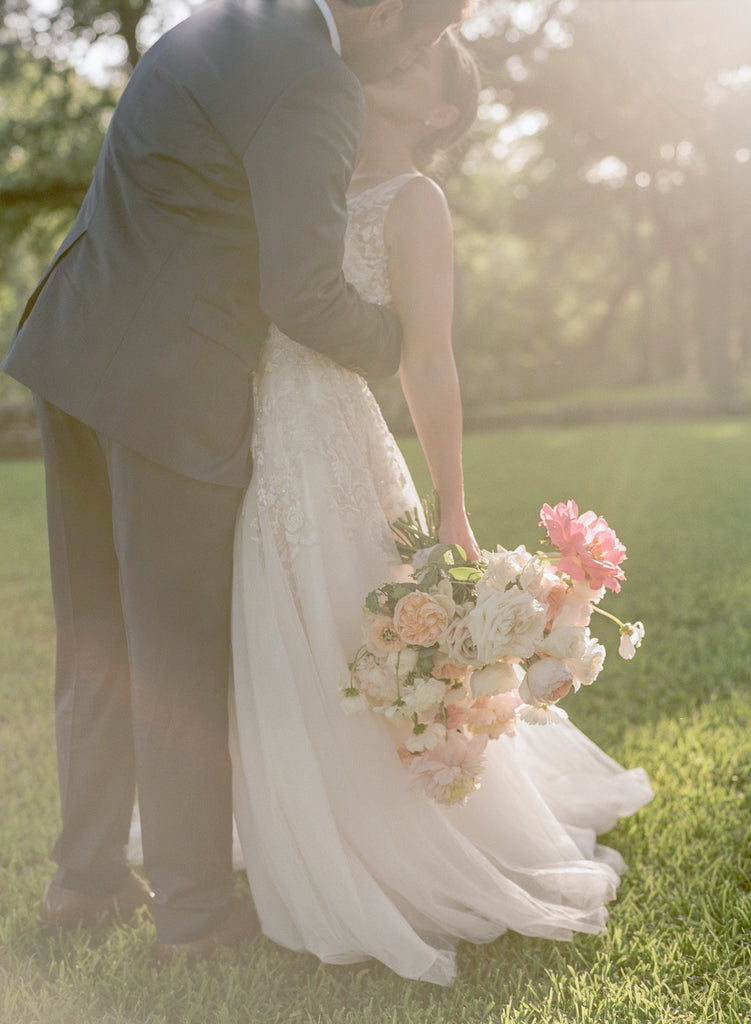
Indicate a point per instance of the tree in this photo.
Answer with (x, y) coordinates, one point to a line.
(53, 119)
(616, 153)
(602, 208)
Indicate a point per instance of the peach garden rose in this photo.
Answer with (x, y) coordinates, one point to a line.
(421, 618)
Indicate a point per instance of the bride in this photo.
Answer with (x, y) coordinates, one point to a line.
(344, 858)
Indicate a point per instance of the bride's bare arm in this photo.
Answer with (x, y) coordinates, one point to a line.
(420, 244)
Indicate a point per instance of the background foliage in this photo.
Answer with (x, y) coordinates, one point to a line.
(602, 206)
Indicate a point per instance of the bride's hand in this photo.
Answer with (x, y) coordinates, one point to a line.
(456, 530)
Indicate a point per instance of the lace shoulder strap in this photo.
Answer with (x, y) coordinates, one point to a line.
(365, 255)
(382, 194)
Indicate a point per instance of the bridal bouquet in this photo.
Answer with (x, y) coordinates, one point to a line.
(458, 654)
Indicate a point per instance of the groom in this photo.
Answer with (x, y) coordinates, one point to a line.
(218, 204)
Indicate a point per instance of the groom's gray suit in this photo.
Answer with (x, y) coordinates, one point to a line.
(218, 204)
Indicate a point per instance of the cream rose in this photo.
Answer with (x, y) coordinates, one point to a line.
(582, 590)
(500, 677)
(565, 642)
(574, 611)
(507, 624)
(425, 696)
(458, 644)
(503, 567)
(420, 618)
(375, 682)
(587, 668)
(546, 682)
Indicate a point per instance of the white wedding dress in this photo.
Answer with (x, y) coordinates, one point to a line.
(344, 858)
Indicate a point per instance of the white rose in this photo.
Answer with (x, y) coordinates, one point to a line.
(500, 677)
(508, 624)
(575, 611)
(546, 682)
(426, 695)
(503, 567)
(565, 642)
(458, 644)
(539, 578)
(587, 668)
(376, 682)
(582, 590)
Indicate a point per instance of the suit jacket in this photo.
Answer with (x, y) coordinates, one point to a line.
(217, 204)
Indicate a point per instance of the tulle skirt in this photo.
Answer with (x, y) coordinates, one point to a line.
(345, 858)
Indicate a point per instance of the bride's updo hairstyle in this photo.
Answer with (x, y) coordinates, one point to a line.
(419, 13)
(460, 86)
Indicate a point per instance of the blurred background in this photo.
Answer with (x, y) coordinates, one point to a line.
(602, 205)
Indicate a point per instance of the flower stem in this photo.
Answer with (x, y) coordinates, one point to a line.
(608, 615)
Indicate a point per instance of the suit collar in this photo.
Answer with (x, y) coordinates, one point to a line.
(328, 17)
(316, 13)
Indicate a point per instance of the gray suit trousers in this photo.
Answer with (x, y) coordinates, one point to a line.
(141, 561)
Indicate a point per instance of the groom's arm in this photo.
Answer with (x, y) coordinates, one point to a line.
(299, 163)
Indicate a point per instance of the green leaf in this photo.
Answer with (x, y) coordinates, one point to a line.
(465, 574)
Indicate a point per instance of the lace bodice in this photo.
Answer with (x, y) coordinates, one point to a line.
(318, 429)
(365, 256)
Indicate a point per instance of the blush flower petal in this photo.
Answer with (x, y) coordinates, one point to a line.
(589, 548)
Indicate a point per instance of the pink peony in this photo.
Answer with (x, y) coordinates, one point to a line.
(450, 771)
(492, 716)
(589, 549)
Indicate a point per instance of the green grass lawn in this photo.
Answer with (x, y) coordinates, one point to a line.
(678, 946)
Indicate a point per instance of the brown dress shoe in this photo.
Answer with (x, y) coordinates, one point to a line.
(66, 908)
(241, 925)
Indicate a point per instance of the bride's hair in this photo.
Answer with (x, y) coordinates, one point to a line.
(417, 13)
(460, 86)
